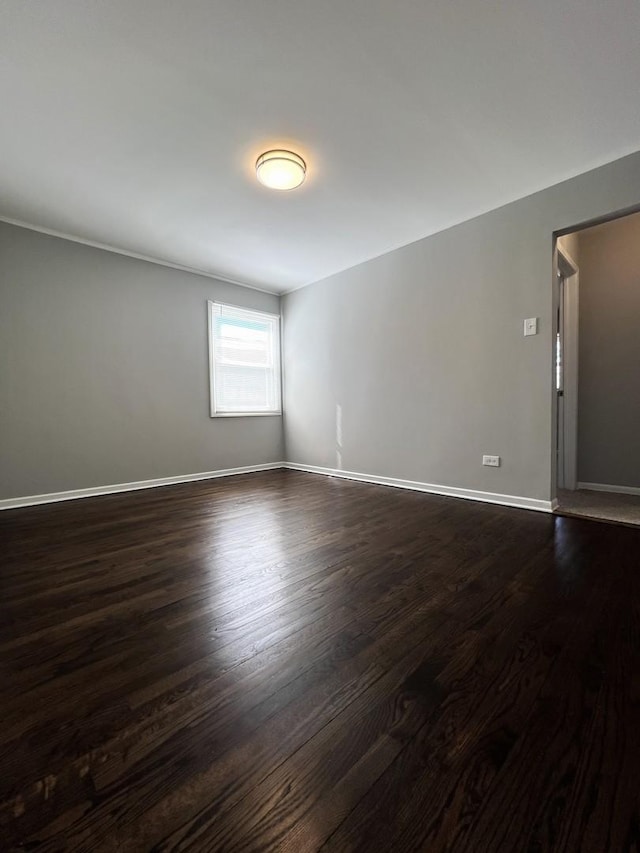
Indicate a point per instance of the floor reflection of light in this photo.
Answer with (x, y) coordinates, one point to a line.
(565, 548)
(247, 574)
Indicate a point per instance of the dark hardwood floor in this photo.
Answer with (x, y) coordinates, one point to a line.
(286, 662)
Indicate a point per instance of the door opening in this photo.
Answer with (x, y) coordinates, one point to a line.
(597, 465)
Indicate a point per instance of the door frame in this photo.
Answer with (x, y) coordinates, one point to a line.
(567, 471)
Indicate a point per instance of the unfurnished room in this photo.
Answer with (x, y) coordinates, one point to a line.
(319, 426)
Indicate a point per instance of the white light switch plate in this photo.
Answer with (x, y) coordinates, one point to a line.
(531, 326)
(491, 461)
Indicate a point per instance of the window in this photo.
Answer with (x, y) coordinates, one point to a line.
(244, 358)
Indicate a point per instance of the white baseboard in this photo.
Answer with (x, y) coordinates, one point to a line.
(604, 487)
(74, 494)
(554, 504)
(448, 491)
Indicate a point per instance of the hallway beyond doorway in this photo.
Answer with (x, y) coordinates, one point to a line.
(607, 506)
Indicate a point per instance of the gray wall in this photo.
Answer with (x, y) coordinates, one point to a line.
(423, 350)
(609, 379)
(104, 370)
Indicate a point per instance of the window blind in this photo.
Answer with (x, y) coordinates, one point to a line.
(245, 361)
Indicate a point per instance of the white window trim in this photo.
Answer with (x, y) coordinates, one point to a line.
(212, 371)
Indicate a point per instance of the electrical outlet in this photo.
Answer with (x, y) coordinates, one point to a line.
(491, 461)
(531, 326)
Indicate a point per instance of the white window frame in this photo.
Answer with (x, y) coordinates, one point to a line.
(212, 362)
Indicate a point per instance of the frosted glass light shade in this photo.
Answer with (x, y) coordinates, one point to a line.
(280, 170)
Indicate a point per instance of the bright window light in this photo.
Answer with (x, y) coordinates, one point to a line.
(244, 359)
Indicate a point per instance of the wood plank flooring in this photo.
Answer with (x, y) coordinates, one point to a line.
(285, 662)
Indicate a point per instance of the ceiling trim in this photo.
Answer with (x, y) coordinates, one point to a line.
(94, 244)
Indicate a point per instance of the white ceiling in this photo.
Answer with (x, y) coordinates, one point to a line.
(136, 123)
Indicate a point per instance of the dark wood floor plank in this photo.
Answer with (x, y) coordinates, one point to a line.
(488, 685)
(286, 662)
(579, 792)
(262, 739)
(478, 767)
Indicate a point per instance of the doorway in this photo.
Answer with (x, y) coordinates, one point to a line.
(597, 370)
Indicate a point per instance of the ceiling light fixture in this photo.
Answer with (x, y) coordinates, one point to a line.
(280, 170)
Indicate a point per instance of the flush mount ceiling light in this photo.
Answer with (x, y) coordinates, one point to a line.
(280, 170)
